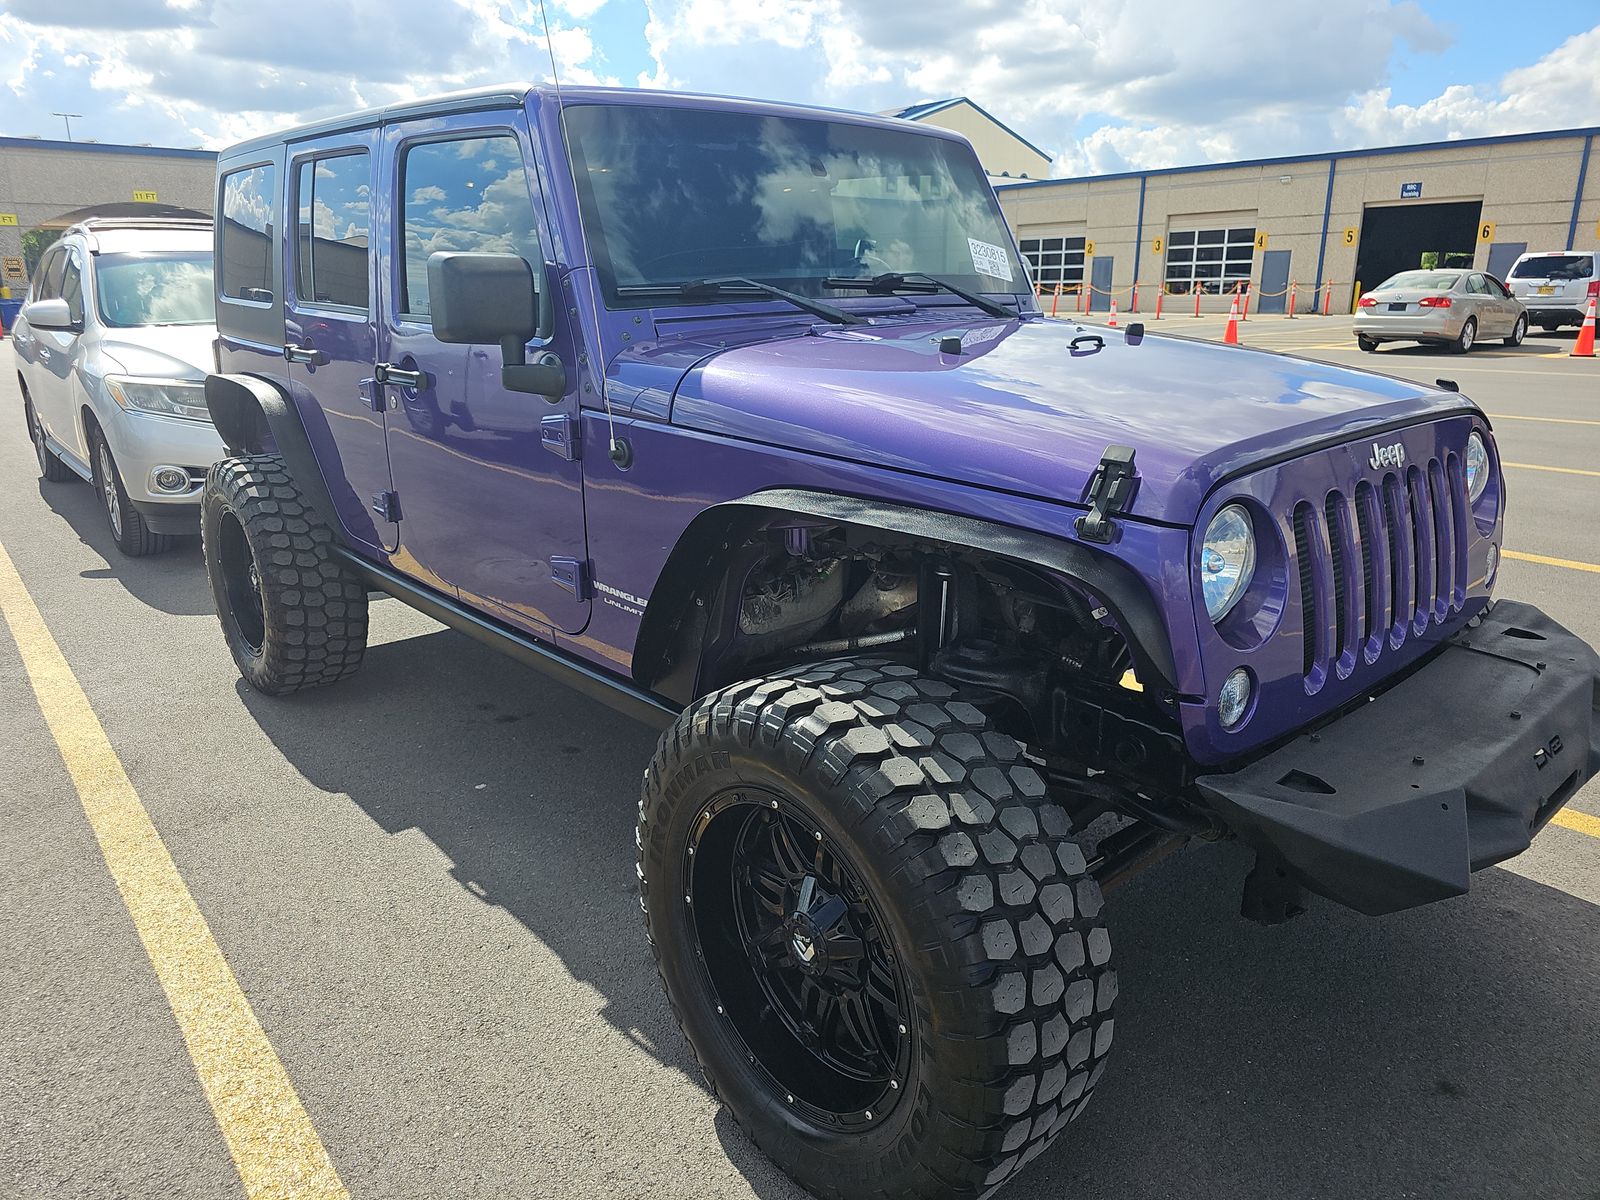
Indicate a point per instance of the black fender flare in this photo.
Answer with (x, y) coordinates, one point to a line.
(253, 416)
(1125, 595)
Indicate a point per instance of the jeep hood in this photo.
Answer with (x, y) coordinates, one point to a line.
(1023, 410)
(161, 351)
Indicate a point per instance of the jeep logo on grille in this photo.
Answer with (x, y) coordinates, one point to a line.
(1388, 456)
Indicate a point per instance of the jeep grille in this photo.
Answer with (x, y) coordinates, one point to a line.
(1376, 566)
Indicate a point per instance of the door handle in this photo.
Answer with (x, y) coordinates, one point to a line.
(304, 354)
(399, 377)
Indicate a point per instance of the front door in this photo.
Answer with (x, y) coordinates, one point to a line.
(1100, 283)
(330, 335)
(490, 507)
(1273, 297)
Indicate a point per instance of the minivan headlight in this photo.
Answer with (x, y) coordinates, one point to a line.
(167, 397)
(1477, 467)
(1227, 560)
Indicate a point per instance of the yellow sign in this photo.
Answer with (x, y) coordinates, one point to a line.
(12, 267)
(1157, 246)
(144, 197)
(1261, 241)
(1088, 248)
(1349, 235)
(8, 218)
(1486, 231)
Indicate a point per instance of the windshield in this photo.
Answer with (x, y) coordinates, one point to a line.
(671, 195)
(1442, 280)
(154, 289)
(1554, 266)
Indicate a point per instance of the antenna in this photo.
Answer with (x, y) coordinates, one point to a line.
(619, 452)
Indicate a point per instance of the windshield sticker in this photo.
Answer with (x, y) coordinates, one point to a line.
(989, 259)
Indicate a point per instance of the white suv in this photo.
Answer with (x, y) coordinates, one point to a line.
(1556, 285)
(113, 345)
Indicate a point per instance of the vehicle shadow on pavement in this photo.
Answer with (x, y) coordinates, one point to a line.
(173, 581)
(1447, 1051)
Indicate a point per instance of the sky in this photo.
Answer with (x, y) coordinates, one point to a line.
(1103, 85)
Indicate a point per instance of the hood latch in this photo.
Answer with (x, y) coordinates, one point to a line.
(1110, 489)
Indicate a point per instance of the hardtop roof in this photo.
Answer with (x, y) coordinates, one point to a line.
(515, 94)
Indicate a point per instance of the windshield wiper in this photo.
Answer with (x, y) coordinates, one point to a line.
(735, 284)
(918, 283)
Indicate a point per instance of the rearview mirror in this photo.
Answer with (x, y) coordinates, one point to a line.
(479, 298)
(49, 314)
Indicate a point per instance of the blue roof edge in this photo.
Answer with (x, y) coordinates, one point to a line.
(1332, 155)
(104, 148)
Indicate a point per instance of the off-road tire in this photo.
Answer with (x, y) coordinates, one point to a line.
(1366, 343)
(313, 609)
(1467, 338)
(51, 468)
(997, 923)
(1518, 332)
(124, 522)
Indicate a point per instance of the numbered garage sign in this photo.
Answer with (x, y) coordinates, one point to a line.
(1349, 235)
(1486, 231)
(1088, 248)
(144, 197)
(1158, 245)
(1261, 241)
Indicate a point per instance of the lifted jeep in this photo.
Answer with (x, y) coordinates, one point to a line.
(742, 418)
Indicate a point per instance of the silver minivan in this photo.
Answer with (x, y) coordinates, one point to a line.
(112, 349)
(1556, 285)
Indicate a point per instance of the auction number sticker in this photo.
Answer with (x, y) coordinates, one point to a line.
(989, 259)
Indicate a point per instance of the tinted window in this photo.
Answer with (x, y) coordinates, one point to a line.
(72, 288)
(333, 231)
(154, 289)
(47, 280)
(1496, 288)
(468, 195)
(248, 199)
(1441, 280)
(671, 195)
(1477, 286)
(1555, 266)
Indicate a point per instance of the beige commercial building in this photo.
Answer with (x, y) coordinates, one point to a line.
(45, 185)
(1323, 224)
(1004, 153)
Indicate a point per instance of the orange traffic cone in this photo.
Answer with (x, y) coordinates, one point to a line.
(1584, 346)
(1230, 336)
(1113, 322)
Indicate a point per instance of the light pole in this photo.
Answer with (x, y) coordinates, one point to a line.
(67, 117)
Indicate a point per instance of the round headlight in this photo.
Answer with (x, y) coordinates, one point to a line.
(1477, 467)
(1233, 698)
(1227, 560)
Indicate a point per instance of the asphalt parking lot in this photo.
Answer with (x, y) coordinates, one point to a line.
(422, 881)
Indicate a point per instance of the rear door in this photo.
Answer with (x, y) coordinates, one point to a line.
(55, 351)
(489, 480)
(1486, 307)
(330, 331)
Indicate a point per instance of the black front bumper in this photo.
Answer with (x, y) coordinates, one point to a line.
(1453, 769)
(176, 518)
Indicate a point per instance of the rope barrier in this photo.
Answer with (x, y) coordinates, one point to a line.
(1086, 293)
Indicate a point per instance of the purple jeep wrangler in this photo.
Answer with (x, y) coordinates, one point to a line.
(742, 418)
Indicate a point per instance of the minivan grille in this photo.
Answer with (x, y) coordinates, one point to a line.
(1377, 566)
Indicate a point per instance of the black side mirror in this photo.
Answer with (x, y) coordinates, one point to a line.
(478, 298)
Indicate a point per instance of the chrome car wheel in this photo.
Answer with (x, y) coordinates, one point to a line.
(108, 488)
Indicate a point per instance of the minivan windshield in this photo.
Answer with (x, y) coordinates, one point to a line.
(1554, 266)
(154, 289)
(673, 195)
(1443, 280)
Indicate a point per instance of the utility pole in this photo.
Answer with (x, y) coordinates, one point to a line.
(67, 117)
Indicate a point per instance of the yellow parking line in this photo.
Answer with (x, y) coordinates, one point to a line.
(1557, 470)
(274, 1147)
(1580, 822)
(1542, 420)
(1570, 564)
